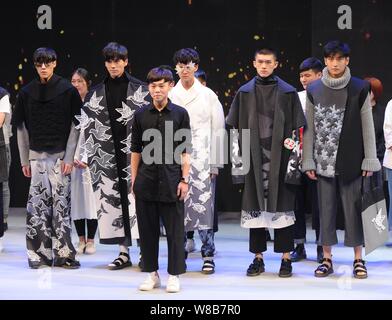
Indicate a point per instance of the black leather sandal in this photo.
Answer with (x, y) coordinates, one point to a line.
(324, 269)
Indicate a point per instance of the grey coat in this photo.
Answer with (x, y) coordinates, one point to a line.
(288, 116)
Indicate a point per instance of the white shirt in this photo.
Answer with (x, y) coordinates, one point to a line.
(302, 99)
(388, 136)
(5, 107)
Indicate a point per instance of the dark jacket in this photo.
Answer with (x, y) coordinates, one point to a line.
(288, 116)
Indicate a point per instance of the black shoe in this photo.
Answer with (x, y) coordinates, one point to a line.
(186, 254)
(69, 264)
(268, 236)
(286, 270)
(320, 254)
(5, 226)
(256, 267)
(299, 253)
(140, 264)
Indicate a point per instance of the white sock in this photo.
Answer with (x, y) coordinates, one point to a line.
(124, 249)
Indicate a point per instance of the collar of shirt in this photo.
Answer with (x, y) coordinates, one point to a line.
(168, 107)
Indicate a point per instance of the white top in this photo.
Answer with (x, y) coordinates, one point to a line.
(5, 107)
(302, 98)
(388, 136)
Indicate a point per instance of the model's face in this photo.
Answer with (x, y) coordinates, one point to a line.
(336, 65)
(308, 76)
(265, 64)
(116, 67)
(45, 70)
(186, 72)
(159, 90)
(80, 84)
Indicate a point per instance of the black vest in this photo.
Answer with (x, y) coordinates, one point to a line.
(350, 151)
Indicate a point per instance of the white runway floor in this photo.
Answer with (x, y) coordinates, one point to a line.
(94, 281)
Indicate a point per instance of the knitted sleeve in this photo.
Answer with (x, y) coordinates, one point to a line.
(370, 163)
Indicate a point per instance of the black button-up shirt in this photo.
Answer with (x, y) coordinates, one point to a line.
(157, 179)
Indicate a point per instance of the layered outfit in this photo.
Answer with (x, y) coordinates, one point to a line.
(45, 120)
(207, 126)
(339, 144)
(270, 110)
(105, 123)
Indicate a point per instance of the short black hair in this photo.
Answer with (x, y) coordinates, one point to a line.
(44, 55)
(335, 47)
(201, 74)
(84, 74)
(186, 56)
(267, 51)
(114, 51)
(160, 73)
(311, 63)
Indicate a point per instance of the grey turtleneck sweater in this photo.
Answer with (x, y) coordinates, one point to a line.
(325, 122)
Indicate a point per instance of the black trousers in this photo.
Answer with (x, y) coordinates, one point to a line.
(148, 219)
(1, 211)
(306, 201)
(92, 225)
(283, 240)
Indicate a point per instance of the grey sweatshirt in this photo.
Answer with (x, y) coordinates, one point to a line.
(325, 121)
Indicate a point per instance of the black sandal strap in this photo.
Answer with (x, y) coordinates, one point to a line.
(119, 261)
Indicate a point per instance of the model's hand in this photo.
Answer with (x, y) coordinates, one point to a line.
(367, 173)
(26, 171)
(311, 174)
(182, 190)
(66, 168)
(80, 164)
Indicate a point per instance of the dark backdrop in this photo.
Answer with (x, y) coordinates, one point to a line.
(226, 33)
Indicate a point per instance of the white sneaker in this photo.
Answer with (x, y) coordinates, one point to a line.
(173, 284)
(190, 245)
(152, 281)
(81, 247)
(90, 248)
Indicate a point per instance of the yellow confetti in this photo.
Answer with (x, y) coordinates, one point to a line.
(20, 66)
(20, 78)
(62, 32)
(25, 60)
(232, 75)
(16, 86)
(256, 37)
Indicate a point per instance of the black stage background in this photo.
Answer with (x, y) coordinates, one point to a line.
(226, 33)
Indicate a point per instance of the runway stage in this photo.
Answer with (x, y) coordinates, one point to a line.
(94, 281)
